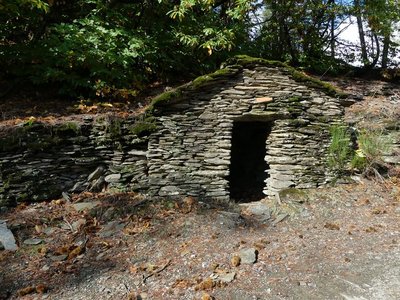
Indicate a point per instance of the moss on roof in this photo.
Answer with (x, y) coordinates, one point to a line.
(248, 61)
(176, 94)
(232, 67)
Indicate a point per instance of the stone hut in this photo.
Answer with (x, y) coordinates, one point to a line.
(248, 130)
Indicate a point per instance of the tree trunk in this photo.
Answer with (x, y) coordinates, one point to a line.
(385, 51)
(378, 49)
(332, 38)
(364, 55)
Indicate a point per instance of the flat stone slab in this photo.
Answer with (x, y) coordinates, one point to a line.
(259, 209)
(228, 277)
(7, 238)
(111, 228)
(33, 241)
(81, 206)
(248, 256)
(112, 178)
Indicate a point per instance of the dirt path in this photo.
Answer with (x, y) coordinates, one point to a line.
(337, 243)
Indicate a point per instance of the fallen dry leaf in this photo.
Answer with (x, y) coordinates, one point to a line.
(75, 252)
(235, 261)
(26, 291)
(371, 229)
(205, 285)
(183, 283)
(332, 226)
(206, 296)
(41, 289)
(133, 269)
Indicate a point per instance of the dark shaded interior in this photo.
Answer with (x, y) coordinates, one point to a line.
(248, 166)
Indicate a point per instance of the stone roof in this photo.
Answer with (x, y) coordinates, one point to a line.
(233, 67)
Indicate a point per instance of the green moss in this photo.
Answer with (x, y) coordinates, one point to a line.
(30, 122)
(166, 98)
(114, 127)
(177, 93)
(232, 67)
(293, 194)
(323, 119)
(209, 78)
(245, 61)
(69, 126)
(329, 89)
(295, 99)
(22, 197)
(144, 127)
(40, 138)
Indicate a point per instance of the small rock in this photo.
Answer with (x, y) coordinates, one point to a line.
(259, 209)
(78, 187)
(78, 224)
(45, 268)
(58, 257)
(112, 178)
(312, 284)
(48, 230)
(6, 237)
(248, 256)
(100, 256)
(228, 277)
(111, 228)
(1, 246)
(280, 218)
(66, 196)
(97, 185)
(109, 214)
(33, 241)
(96, 174)
(81, 206)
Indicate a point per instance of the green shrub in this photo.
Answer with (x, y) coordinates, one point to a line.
(372, 146)
(367, 159)
(339, 152)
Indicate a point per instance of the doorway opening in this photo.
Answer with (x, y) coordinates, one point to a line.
(248, 168)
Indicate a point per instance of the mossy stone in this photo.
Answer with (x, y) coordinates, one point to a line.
(144, 127)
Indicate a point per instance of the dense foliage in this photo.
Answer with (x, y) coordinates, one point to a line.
(85, 47)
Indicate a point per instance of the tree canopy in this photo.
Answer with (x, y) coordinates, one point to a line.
(99, 47)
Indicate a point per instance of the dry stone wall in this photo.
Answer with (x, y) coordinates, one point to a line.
(190, 153)
(39, 161)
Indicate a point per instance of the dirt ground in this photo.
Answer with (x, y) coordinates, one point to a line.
(331, 243)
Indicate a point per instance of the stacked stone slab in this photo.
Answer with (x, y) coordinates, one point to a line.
(40, 161)
(190, 153)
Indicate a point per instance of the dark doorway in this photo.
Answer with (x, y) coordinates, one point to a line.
(248, 166)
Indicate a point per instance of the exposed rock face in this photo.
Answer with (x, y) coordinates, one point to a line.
(189, 154)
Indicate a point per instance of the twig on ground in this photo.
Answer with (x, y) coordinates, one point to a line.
(69, 224)
(157, 271)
